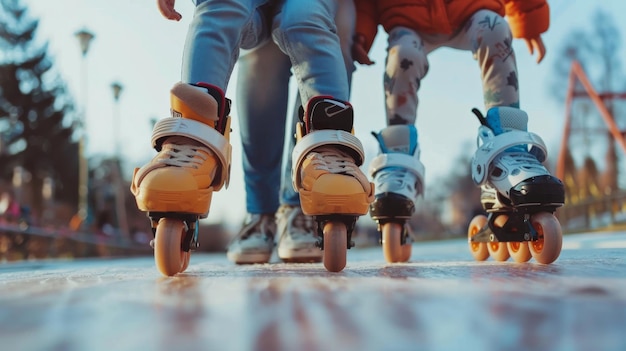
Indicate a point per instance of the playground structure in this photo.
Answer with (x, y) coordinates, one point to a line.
(593, 200)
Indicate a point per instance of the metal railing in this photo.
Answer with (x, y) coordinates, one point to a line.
(600, 213)
(21, 242)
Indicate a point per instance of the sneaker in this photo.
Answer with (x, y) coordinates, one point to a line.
(297, 241)
(255, 241)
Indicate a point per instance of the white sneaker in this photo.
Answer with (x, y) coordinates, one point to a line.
(297, 241)
(255, 241)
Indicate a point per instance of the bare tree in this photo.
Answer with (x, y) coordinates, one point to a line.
(597, 51)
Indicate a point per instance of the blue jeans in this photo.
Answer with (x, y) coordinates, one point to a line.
(218, 29)
(305, 30)
(262, 99)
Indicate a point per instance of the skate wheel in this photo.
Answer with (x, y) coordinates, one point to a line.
(406, 252)
(498, 251)
(393, 250)
(168, 255)
(519, 251)
(548, 247)
(335, 246)
(478, 250)
(185, 262)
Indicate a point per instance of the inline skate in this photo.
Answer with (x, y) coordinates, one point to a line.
(517, 192)
(398, 179)
(326, 174)
(193, 160)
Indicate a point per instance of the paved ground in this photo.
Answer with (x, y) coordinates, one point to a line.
(441, 300)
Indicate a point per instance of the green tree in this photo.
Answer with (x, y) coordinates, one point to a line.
(35, 128)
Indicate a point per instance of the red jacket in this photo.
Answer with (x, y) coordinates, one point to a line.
(527, 18)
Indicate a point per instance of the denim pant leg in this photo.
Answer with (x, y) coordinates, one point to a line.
(218, 29)
(345, 19)
(262, 103)
(288, 195)
(305, 30)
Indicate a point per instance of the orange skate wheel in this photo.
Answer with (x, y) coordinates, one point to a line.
(406, 252)
(478, 249)
(519, 251)
(335, 246)
(185, 262)
(548, 247)
(498, 251)
(393, 250)
(168, 255)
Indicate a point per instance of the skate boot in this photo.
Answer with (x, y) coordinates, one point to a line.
(326, 160)
(398, 179)
(297, 236)
(255, 241)
(517, 191)
(193, 160)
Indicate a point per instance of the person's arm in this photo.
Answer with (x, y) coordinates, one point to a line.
(536, 44)
(528, 20)
(366, 28)
(167, 10)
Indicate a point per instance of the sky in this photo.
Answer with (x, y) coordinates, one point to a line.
(139, 49)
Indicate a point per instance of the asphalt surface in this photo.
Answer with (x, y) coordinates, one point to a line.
(441, 300)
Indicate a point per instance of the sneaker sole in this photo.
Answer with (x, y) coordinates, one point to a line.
(252, 258)
(306, 255)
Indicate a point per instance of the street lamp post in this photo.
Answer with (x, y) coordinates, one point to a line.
(120, 194)
(117, 90)
(84, 39)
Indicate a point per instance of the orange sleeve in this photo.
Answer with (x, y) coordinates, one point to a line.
(528, 18)
(366, 21)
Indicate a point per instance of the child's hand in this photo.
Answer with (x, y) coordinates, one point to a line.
(536, 44)
(167, 10)
(358, 51)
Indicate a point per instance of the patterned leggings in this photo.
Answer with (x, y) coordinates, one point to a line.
(486, 34)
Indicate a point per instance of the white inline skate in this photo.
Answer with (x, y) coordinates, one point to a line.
(518, 192)
(193, 160)
(326, 174)
(398, 178)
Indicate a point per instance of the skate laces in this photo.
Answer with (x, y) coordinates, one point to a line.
(298, 224)
(524, 160)
(178, 152)
(336, 161)
(397, 176)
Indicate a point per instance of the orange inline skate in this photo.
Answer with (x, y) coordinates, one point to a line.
(193, 161)
(326, 174)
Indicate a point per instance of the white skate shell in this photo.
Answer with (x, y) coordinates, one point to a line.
(319, 138)
(490, 146)
(408, 162)
(201, 133)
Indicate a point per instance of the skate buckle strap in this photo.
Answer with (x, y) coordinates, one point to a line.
(492, 145)
(408, 162)
(201, 133)
(322, 138)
